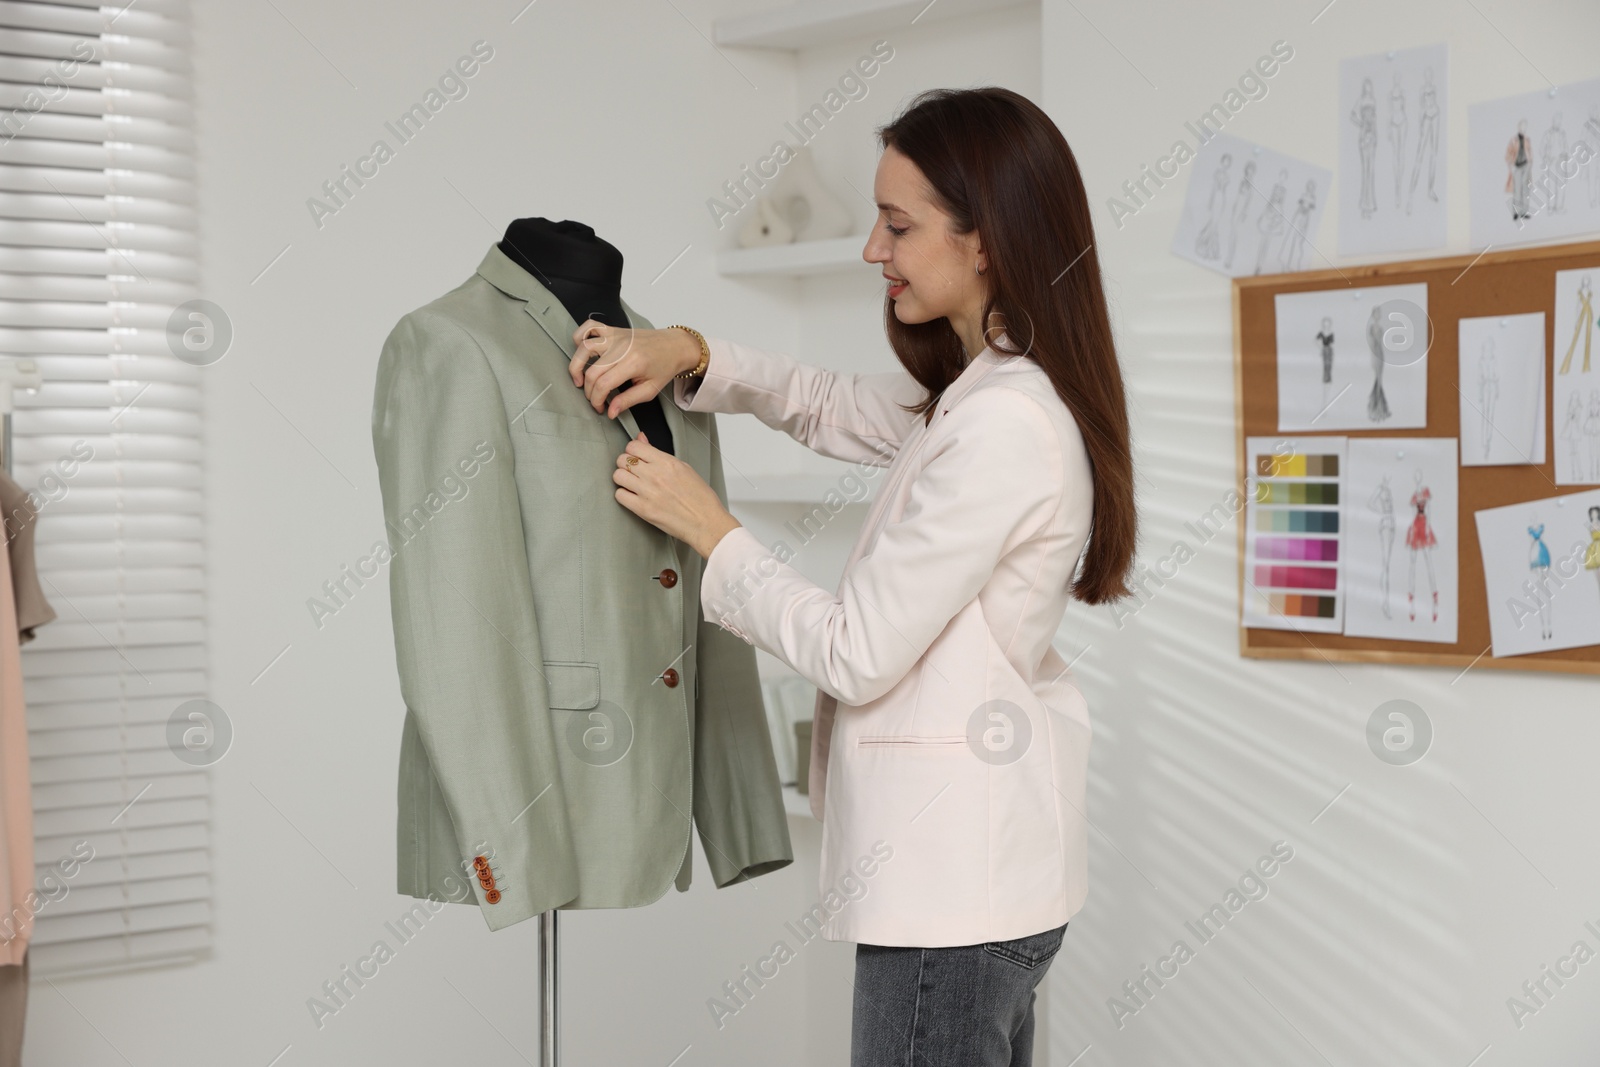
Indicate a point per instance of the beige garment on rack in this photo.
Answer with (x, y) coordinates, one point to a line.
(19, 515)
(16, 801)
(22, 608)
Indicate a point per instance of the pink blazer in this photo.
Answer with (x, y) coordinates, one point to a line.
(950, 744)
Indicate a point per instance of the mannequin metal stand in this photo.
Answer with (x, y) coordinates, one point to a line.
(549, 1006)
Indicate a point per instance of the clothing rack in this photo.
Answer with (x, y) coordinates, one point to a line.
(14, 374)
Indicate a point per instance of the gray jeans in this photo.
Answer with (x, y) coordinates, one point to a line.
(967, 1006)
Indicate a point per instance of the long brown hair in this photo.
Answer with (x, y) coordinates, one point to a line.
(998, 164)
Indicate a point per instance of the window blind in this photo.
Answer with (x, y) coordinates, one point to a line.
(97, 248)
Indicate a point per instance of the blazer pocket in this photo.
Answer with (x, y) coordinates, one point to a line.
(910, 740)
(574, 685)
(555, 424)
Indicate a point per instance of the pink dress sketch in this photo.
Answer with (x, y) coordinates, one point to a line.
(1420, 538)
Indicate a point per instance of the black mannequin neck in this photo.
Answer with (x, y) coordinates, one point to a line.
(583, 271)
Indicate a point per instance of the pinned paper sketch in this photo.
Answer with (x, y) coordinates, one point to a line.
(1533, 162)
(1250, 210)
(1392, 124)
(1501, 379)
(1293, 534)
(1353, 359)
(1575, 377)
(1541, 569)
(1400, 539)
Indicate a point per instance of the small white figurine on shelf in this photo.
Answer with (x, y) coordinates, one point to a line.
(766, 227)
(806, 207)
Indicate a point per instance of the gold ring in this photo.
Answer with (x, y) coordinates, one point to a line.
(632, 460)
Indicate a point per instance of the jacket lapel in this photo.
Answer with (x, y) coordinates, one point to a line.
(543, 308)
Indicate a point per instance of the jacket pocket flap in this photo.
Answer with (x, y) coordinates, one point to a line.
(572, 685)
(555, 424)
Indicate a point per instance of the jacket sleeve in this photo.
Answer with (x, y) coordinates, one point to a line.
(993, 479)
(738, 805)
(853, 417)
(466, 640)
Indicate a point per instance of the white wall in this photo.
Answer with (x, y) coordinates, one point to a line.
(1414, 905)
(616, 114)
(1423, 898)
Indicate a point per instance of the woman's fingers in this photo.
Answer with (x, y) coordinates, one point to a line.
(637, 393)
(587, 340)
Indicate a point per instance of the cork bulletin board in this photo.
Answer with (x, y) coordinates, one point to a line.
(1495, 283)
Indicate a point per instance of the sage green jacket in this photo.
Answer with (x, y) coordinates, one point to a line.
(567, 706)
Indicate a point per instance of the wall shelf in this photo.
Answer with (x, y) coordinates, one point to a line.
(836, 255)
(797, 804)
(803, 25)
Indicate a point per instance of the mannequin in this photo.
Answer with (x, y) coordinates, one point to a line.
(584, 272)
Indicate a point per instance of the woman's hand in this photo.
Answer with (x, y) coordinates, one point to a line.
(648, 358)
(669, 494)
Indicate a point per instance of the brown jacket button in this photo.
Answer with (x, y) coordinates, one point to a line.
(492, 896)
(670, 676)
(669, 578)
(482, 863)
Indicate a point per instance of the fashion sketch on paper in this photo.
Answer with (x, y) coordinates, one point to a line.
(1241, 209)
(1208, 243)
(1519, 162)
(1591, 430)
(1397, 133)
(1488, 391)
(1539, 564)
(1420, 539)
(1377, 402)
(1325, 339)
(1427, 140)
(1591, 554)
(1572, 433)
(1585, 323)
(1553, 163)
(1270, 224)
(1593, 172)
(1382, 501)
(1294, 245)
(1365, 116)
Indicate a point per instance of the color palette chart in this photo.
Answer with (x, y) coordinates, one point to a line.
(1294, 533)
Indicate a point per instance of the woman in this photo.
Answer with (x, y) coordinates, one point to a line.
(1382, 501)
(1397, 133)
(1365, 116)
(1208, 245)
(1420, 538)
(1377, 401)
(1241, 209)
(1591, 553)
(950, 744)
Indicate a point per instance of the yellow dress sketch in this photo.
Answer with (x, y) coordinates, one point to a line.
(1585, 326)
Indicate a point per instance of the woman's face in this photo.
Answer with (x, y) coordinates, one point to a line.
(928, 269)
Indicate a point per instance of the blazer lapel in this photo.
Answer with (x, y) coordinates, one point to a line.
(690, 443)
(683, 448)
(543, 308)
